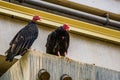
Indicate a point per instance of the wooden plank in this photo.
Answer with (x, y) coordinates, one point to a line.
(28, 66)
(20, 70)
(4, 65)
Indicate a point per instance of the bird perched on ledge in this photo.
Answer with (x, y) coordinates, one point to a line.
(58, 41)
(23, 40)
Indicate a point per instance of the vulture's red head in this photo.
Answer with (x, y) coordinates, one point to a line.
(35, 18)
(66, 27)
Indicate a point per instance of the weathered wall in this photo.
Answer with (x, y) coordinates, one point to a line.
(81, 48)
(108, 5)
(28, 67)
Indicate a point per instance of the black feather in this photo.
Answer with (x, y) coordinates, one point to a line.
(55, 42)
(22, 41)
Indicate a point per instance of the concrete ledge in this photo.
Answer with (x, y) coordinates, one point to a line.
(28, 66)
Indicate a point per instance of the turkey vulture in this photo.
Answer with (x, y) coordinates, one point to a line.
(58, 41)
(23, 40)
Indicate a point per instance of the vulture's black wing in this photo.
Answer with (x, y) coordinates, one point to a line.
(22, 41)
(51, 42)
(67, 41)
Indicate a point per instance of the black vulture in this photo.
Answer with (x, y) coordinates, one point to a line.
(23, 40)
(58, 41)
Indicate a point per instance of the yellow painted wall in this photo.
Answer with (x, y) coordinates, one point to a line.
(81, 48)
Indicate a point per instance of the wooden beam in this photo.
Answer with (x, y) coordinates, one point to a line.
(52, 20)
(4, 65)
(28, 66)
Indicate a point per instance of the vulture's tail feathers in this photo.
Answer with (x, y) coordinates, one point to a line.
(9, 57)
